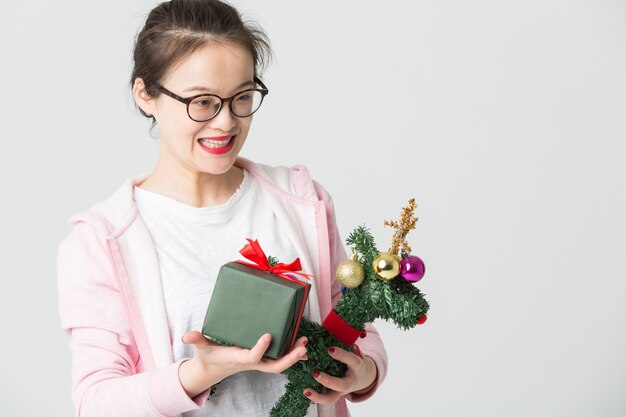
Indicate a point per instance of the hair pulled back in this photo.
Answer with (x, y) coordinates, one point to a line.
(174, 30)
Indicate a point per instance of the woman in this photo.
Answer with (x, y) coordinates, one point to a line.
(137, 269)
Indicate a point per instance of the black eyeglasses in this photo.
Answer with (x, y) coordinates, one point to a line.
(204, 107)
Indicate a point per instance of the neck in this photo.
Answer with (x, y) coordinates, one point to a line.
(192, 187)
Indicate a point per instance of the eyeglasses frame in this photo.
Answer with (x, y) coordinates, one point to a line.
(187, 100)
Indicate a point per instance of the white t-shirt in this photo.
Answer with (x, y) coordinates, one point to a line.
(192, 243)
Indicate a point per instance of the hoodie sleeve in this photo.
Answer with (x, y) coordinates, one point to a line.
(372, 344)
(106, 379)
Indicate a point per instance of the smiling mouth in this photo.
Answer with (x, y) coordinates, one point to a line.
(216, 143)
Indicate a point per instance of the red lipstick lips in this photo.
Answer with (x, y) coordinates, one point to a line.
(212, 146)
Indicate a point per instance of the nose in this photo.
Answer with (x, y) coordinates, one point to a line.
(224, 120)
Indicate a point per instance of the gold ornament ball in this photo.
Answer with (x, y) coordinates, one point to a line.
(350, 273)
(386, 266)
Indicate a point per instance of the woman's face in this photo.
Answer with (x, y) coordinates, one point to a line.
(217, 68)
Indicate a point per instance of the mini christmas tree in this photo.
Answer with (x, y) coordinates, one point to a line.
(375, 285)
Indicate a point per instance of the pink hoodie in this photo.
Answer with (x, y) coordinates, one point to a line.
(111, 303)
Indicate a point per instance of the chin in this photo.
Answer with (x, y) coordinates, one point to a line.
(217, 168)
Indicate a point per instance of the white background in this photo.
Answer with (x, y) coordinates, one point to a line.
(505, 120)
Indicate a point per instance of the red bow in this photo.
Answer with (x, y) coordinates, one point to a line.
(253, 252)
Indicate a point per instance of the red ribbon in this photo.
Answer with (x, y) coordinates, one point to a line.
(253, 252)
(341, 330)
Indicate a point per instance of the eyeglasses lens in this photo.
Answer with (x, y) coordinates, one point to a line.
(242, 105)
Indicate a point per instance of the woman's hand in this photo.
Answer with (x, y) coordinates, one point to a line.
(361, 373)
(212, 362)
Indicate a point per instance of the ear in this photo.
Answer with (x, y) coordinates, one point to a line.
(142, 98)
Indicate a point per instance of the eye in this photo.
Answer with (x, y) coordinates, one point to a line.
(244, 97)
(205, 101)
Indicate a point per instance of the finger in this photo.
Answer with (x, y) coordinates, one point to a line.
(330, 397)
(332, 382)
(256, 353)
(284, 362)
(305, 341)
(302, 357)
(301, 354)
(196, 338)
(289, 359)
(302, 341)
(342, 355)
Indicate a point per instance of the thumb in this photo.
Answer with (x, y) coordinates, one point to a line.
(196, 338)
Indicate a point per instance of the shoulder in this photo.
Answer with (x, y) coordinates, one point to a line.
(295, 180)
(84, 247)
(86, 241)
(111, 216)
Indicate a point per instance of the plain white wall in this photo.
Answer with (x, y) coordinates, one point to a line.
(505, 120)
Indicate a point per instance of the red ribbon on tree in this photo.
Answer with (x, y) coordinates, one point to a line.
(341, 330)
(253, 252)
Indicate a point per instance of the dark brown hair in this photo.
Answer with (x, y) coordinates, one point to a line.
(174, 30)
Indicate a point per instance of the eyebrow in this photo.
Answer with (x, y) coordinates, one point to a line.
(200, 88)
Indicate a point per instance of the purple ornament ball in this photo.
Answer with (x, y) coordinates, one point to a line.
(412, 268)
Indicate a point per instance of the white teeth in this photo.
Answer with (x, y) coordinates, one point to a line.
(215, 143)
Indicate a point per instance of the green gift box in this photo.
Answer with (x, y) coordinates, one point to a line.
(248, 302)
